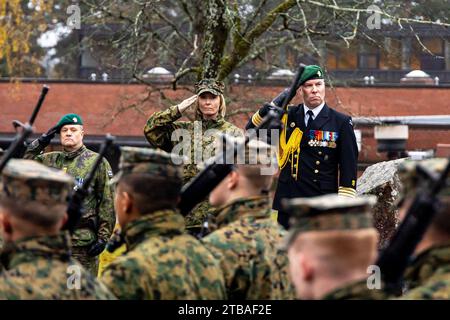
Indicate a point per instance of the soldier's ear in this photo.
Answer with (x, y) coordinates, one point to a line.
(6, 227)
(306, 267)
(127, 202)
(232, 180)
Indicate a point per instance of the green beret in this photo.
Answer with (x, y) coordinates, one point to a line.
(152, 162)
(311, 72)
(209, 85)
(70, 118)
(28, 180)
(328, 213)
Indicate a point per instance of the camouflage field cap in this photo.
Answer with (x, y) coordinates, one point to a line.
(328, 213)
(214, 86)
(148, 161)
(311, 72)
(28, 180)
(411, 177)
(70, 118)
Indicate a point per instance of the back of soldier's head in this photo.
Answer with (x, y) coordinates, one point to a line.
(413, 179)
(153, 178)
(254, 161)
(34, 193)
(336, 232)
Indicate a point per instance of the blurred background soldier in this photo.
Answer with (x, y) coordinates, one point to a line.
(246, 241)
(162, 261)
(318, 153)
(36, 256)
(331, 244)
(96, 225)
(210, 110)
(428, 276)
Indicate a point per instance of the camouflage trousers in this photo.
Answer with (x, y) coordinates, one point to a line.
(88, 262)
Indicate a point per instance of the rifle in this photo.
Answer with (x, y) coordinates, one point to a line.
(20, 151)
(15, 145)
(394, 259)
(75, 208)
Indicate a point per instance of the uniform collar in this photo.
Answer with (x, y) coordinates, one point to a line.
(28, 249)
(74, 154)
(356, 290)
(315, 111)
(427, 264)
(256, 207)
(163, 222)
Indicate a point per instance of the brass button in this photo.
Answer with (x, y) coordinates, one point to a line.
(320, 153)
(315, 180)
(295, 166)
(316, 171)
(317, 162)
(294, 176)
(295, 156)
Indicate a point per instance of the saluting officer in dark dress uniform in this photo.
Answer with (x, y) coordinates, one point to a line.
(317, 151)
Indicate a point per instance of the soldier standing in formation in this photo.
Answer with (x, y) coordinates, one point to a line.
(331, 244)
(318, 152)
(428, 275)
(36, 260)
(210, 110)
(162, 261)
(246, 241)
(96, 225)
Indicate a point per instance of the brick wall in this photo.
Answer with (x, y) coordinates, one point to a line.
(123, 109)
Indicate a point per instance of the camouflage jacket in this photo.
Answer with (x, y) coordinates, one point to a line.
(41, 268)
(428, 276)
(246, 243)
(165, 132)
(162, 262)
(99, 219)
(356, 291)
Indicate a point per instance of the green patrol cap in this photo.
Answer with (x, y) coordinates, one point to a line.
(411, 178)
(328, 213)
(153, 162)
(28, 180)
(214, 86)
(311, 72)
(70, 118)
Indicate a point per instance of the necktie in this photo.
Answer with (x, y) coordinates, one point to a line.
(310, 119)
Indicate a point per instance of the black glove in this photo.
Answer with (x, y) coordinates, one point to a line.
(264, 110)
(45, 138)
(97, 248)
(278, 101)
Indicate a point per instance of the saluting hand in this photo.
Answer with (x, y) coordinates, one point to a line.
(186, 103)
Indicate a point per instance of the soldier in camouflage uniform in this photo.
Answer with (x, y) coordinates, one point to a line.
(428, 275)
(162, 261)
(246, 241)
(163, 130)
(36, 261)
(331, 244)
(93, 231)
